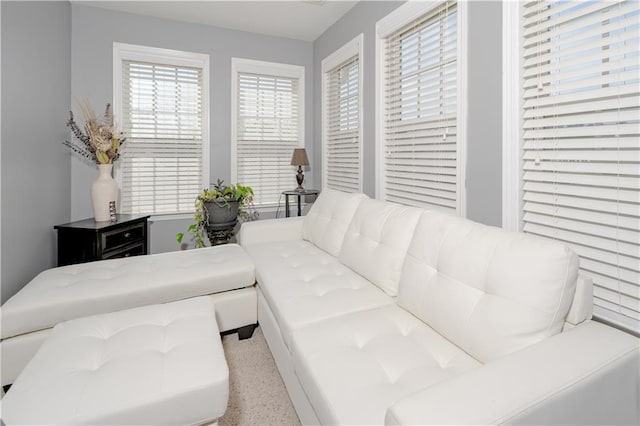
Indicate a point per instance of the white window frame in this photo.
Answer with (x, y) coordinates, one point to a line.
(512, 123)
(132, 52)
(511, 116)
(395, 20)
(241, 65)
(348, 50)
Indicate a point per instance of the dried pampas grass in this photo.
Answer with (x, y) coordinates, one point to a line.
(101, 141)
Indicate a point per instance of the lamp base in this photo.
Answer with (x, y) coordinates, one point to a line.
(300, 179)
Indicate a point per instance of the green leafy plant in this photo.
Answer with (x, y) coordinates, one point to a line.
(220, 194)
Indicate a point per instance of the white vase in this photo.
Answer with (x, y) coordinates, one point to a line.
(103, 191)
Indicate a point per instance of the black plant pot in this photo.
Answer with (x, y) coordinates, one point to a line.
(221, 213)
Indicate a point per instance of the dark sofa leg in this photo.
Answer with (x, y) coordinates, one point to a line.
(246, 332)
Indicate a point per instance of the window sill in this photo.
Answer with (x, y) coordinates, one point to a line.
(268, 210)
(173, 216)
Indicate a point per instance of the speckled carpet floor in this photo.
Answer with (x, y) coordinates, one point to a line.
(257, 395)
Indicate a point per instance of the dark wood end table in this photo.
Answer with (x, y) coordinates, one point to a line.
(87, 240)
(299, 194)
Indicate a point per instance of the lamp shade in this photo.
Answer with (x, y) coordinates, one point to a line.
(299, 157)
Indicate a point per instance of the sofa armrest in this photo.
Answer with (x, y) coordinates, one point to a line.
(270, 230)
(581, 308)
(586, 375)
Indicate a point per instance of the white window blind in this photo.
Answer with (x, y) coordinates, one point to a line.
(342, 168)
(267, 133)
(420, 133)
(581, 148)
(162, 159)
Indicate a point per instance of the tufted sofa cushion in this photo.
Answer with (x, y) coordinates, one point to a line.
(354, 367)
(75, 291)
(304, 284)
(489, 291)
(329, 218)
(376, 242)
(159, 364)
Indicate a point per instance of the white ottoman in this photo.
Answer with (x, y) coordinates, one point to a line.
(159, 364)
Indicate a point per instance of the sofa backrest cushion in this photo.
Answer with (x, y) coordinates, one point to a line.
(377, 240)
(329, 218)
(489, 291)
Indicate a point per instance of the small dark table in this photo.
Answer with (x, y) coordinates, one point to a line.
(87, 240)
(287, 194)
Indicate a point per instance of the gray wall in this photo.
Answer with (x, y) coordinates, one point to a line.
(484, 151)
(96, 29)
(484, 120)
(36, 58)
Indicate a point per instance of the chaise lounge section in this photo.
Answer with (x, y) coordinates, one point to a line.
(379, 313)
(224, 273)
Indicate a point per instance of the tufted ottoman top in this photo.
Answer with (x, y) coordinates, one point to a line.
(75, 291)
(159, 364)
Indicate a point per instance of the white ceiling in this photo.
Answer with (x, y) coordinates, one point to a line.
(301, 20)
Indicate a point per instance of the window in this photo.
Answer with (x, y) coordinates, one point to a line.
(267, 125)
(420, 138)
(161, 97)
(342, 118)
(580, 155)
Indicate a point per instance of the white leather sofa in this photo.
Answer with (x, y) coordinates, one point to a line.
(379, 313)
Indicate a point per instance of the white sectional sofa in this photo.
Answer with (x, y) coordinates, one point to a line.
(379, 313)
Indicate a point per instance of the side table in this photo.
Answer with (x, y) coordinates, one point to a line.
(299, 194)
(87, 240)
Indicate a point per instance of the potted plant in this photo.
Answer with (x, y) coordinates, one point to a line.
(218, 208)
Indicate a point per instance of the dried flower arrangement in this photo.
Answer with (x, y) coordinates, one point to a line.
(100, 142)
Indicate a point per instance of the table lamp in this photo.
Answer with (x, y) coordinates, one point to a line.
(299, 159)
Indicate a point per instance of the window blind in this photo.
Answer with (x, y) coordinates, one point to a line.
(267, 133)
(420, 119)
(342, 140)
(162, 157)
(581, 149)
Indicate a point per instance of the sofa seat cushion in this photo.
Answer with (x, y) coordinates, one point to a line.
(75, 291)
(159, 364)
(489, 291)
(377, 240)
(304, 284)
(356, 366)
